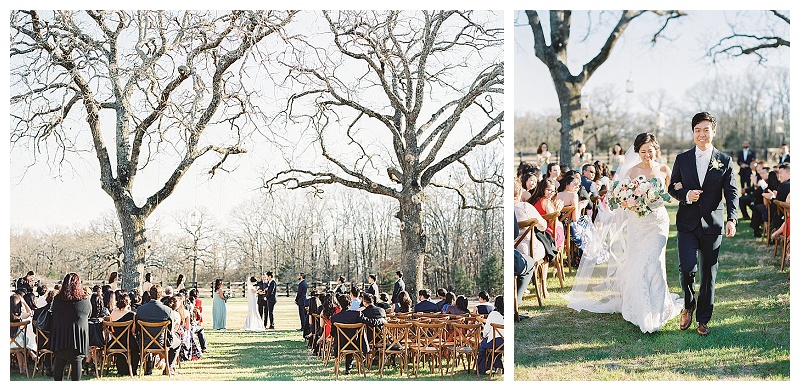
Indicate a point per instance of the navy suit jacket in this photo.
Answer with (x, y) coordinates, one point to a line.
(741, 160)
(399, 286)
(372, 289)
(302, 290)
(353, 317)
(426, 306)
(272, 290)
(709, 211)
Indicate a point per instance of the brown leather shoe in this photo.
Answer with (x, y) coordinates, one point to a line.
(686, 318)
(702, 329)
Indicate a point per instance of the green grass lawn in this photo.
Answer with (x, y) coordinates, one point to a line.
(749, 337)
(279, 354)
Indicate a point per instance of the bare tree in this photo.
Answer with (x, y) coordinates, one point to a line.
(395, 98)
(569, 86)
(774, 35)
(158, 79)
(201, 230)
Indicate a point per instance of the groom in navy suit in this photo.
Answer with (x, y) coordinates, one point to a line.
(700, 177)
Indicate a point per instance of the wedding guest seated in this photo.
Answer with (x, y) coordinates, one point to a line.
(352, 317)
(196, 319)
(96, 340)
(41, 296)
(460, 306)
(370, 310)
(404, 304)
(483, 307)
(383, 302)
(449, 300)
(496, 317)
(20, 311)
(355, 302)
(136, 299)
(442, 294)
(123, 313)
(155, 311)
(425, 304)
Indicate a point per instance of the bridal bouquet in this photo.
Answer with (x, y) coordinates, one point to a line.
(637, 194)
(227, 294)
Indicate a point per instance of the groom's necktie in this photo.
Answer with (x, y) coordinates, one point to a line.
(703, 158)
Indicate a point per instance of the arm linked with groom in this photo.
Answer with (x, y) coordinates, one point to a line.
(703, 175)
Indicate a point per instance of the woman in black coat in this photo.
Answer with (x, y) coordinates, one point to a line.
(69, 334)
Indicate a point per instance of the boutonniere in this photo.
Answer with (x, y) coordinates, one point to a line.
(716, 164)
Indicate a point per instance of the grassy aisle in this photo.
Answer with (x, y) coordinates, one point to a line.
(749, 337)
(279, 354)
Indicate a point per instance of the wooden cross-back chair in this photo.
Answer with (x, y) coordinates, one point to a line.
(119, 336)
(395, 343)
(783, 209)
(42, 348)
(496, 351)
(527, 226)
(467, 339)
(565, 218)
(20, 329)
(326, 343)
(428, 343)
(767, 224)
(349, 338)
(154, 342)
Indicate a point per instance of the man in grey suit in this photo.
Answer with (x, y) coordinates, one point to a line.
(155, 311)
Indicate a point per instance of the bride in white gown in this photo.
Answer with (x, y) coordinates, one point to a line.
(253, 321)
(623, 268)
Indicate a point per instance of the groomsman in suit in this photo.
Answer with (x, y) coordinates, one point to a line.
(744, 158)
(300, 300)
(425, 304)
(372, 289)
(784, 154)
(271, 295)
(399, 286)
(340, 289)
(705, 175)
(261, 289)
(352, 317)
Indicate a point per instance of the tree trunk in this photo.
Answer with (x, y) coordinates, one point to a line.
(134, 245)
(412, 248)
(572, 119)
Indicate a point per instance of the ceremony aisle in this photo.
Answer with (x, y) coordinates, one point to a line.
(749, 337)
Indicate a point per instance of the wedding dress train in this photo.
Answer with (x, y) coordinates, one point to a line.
(623, 269)
(253, 321)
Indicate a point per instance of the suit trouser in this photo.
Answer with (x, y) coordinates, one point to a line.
(71, 357)
(698, 251)
(262, 308)
(270, 313)
(301, 309)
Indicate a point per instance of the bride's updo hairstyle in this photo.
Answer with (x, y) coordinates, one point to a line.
(644, 138)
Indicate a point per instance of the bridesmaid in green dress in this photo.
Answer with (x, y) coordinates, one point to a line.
(218, 311)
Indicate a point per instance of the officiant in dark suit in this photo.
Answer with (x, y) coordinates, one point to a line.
(261, 289)
(744, 158)
(705, 174)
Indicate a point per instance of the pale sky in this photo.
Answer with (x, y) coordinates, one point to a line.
(675, 63)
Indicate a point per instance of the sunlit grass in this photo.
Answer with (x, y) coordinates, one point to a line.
(749, 331)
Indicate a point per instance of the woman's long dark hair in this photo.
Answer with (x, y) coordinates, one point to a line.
(405, 302)
(217, 284)
(328, 308)
(498, 304)
(462, 303)
(538, 192)
(567, 179)
(71, 288)
(450, 298)
(180, 280)
(112, 277)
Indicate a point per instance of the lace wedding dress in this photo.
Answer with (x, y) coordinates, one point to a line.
(623, 269)
(253, 321)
